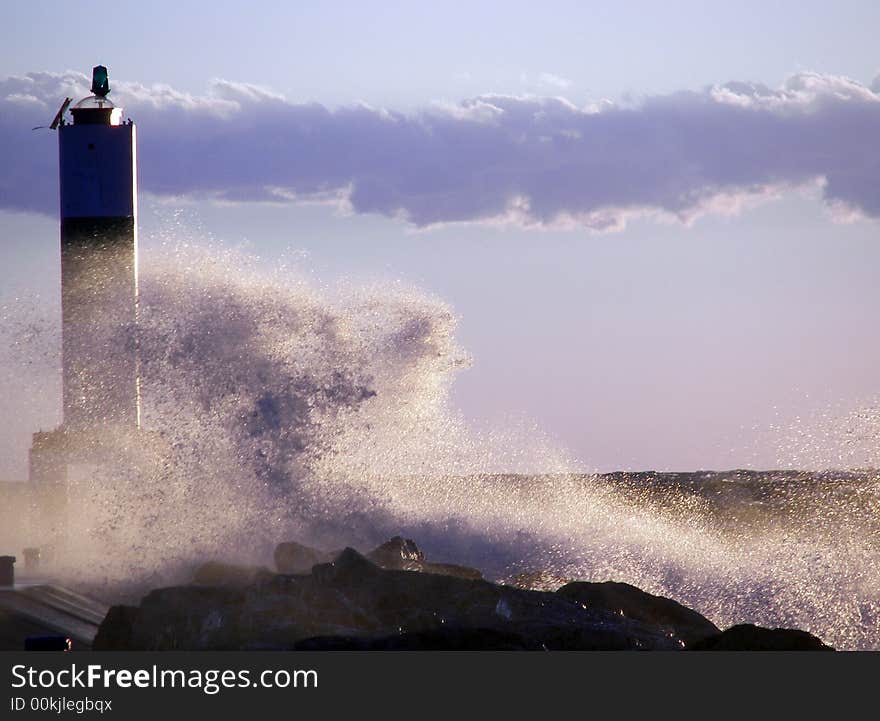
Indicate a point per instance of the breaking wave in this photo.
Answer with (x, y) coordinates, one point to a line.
(275, 408)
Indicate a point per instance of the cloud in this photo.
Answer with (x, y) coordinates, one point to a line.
(528, 160)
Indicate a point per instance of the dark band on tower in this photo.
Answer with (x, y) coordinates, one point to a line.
(98, 172)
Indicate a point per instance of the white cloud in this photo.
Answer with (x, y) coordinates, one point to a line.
(537, 161)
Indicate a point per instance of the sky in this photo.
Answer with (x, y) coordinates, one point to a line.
(657, 222)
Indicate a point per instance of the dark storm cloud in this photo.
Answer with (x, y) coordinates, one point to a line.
(493, 158)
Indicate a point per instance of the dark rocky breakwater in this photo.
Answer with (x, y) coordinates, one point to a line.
(393, 598)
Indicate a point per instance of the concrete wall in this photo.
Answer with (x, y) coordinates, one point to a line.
(16, 516)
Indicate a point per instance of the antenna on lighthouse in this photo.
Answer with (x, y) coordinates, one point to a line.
(60, 114)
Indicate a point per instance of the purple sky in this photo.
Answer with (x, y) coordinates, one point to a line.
(658, 263)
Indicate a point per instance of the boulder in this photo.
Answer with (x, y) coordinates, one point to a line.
(293, 557)
(416, 603)
(451, 569)
(187, 618)
(359, 604)
(398, 553)
(115, 631)
(538, 580)
(440, 639)
(676, 620)
(352, 602)
(347, 569)
(747, 637)
(402, 554)
(288, 608)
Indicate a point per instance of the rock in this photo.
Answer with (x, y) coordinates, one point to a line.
(398, 553)
(747, 637)
(349, 567)
(293, 557)
(538, 580)
(402, 554)
(187, 618)
(359, 604)
(415, 603)
(442, 639)
(601, 635)
(115, 631)
(669, 616)
(451, 569)
(353, 603)
(215, 573)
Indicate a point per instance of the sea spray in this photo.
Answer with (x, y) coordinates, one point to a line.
(274, 408)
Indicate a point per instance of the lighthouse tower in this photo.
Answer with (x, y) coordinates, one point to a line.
(100, 388)
(98, 172)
